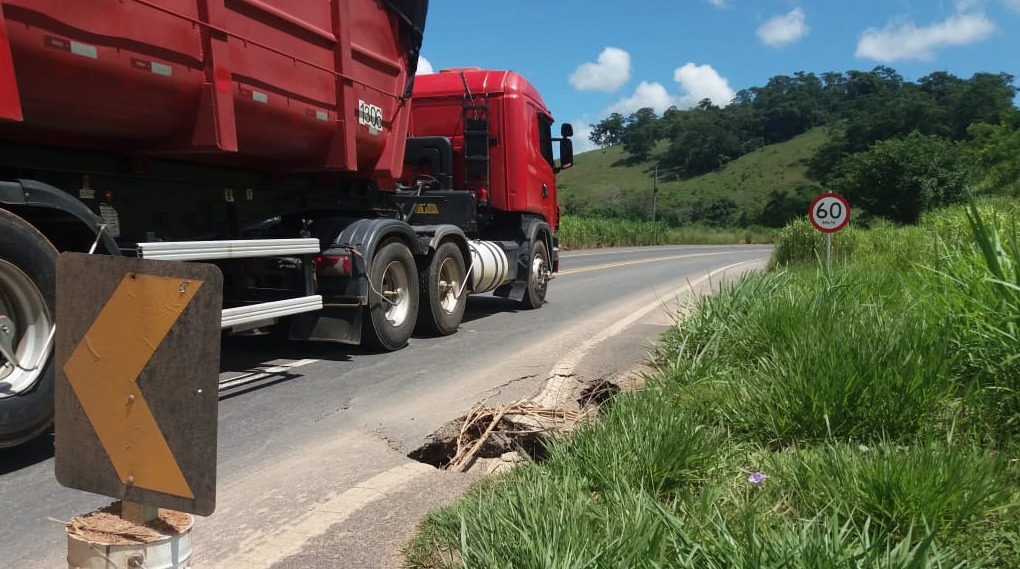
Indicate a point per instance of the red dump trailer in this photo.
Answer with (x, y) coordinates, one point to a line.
(290, 143)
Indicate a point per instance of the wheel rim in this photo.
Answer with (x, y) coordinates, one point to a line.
(449, 285)
(539, 274)
(21, 301)
(396, 295)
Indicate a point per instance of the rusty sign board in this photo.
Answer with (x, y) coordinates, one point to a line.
(137, 354)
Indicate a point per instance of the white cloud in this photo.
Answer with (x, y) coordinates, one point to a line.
(647, 94)
(718, 3)
(609, 74)
(697, 82)
(424, 67)
(1012, 4)
(905, 41)
(582, 130)
(784, 29)
(702, 82)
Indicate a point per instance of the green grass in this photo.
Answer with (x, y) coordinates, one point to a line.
(593, 233)
(896, 487)
(880, 374)
(879, 396)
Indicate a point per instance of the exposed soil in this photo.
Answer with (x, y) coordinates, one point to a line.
(508, 436)
(598, 394)
(105, 526)
(507, 433)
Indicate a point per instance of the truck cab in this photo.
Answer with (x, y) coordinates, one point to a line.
(500, 131)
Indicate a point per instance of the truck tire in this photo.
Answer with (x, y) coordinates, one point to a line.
(27, 297)
(442, 292)
(538, 276)
(392, 309)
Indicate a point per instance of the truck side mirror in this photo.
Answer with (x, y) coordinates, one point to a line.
(566, 153)
(566, 130)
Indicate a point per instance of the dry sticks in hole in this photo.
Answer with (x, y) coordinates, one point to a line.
(482, 421)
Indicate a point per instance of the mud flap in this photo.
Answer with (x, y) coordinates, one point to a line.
(514, 292)
(341, 325)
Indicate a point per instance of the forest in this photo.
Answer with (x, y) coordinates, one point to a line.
(895, 148)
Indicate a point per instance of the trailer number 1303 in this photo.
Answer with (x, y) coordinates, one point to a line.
(370, 116)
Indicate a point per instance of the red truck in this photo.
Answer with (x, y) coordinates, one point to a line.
(290, 143)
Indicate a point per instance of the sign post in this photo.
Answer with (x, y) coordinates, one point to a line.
(137, 366)
(829, 213)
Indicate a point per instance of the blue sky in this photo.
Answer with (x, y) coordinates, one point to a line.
(593, 57)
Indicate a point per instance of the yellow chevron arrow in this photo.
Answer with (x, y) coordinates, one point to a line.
(104, 368)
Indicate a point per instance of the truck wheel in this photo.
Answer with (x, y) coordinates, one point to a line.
(538, 280)
(27, 300)
(442, 291)
(393, 299)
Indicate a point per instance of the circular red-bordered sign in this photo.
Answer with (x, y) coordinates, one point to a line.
(829, 213)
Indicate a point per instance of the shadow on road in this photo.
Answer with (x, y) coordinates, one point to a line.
(33, 452)
(238, 353)
(481, 306)
(254, 363)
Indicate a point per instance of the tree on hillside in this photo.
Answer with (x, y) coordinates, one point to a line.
(881, 106)
(862, 85)
(942, 86)
(641, 133)
(902, 178)
(721, 212)
(608, 132)
(834, 91)
(984, 98)
(783, 206)
(742, 120)
(789, 106)
(995, 150)
(701, 142)
(671, 122)
(717, 212)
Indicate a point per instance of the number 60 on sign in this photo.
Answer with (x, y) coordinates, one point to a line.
(830, 213)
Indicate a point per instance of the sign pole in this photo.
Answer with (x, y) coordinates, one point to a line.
(828, 251)
(655, 193)
(829, 213)
(138, 513)
(655, 200)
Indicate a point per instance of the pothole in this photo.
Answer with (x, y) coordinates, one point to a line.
(447, 448)
(495, 438)
(598, 394)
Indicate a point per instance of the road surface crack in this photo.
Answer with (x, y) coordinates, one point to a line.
(498, 390)
(339, 409)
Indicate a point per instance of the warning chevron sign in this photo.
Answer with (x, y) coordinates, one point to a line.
(137, 370)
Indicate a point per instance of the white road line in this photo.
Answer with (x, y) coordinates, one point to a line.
(264, 550)
(637, 262)
(267, 373)
(609, 251)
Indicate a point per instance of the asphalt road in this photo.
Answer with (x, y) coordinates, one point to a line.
(313, 439)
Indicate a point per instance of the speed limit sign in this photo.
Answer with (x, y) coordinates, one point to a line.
(830, 213)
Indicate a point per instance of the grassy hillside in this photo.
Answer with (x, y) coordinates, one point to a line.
(606, 180)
